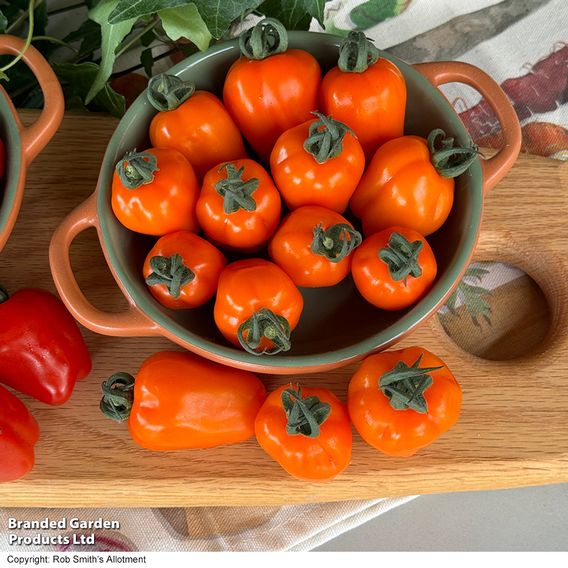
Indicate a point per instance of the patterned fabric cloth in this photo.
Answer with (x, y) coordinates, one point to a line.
(523, 45)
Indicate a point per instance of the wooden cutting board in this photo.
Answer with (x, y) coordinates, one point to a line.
(513, 430)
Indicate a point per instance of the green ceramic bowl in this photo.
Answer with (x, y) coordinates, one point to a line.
(337, 324)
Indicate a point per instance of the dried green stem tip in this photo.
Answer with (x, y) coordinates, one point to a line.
(236, 193)
(118, 396)
(268, 37)
(325, 138)
(450, 161)
(168, 92)
(265, 324)
(336, 242)
(171, 271)
(304, 415)
(401, 257)
(404, 386)
(357, 53)
(137, 168)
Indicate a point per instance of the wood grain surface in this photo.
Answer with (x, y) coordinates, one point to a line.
(513, 430)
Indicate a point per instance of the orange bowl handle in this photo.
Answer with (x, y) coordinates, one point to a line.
(131, 323)
(36, 136)
(495, 168)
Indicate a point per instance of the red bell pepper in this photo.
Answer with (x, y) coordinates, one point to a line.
(42, 351)
(18, 434)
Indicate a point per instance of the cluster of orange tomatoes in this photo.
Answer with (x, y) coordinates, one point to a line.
(321, 146)
(198, 176)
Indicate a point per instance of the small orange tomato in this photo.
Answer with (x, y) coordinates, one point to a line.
(313, 246)
(154, 192)
(180, 401)
(270, 88)
(239, 206)
(182, 270)
(257, 306)
(409, 182)
(319, 162)
(401, 401)
(307, 431)
(393, 269)
(194, 122)
(366, 92)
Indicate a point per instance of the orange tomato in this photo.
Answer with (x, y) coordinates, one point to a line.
(394, 268)
(401, 401)
(182, 270)
(194, 122)
(154, 192)
(319, 162)
(313, 246)
(307, 431)
(409, 183)
(239, 206)
(366, 92)
(179, 401)
(270, 88)
(257, 306)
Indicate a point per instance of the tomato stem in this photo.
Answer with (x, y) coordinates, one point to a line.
(268, 37)
(136, 169)
(357, 53)
(171, 271)
(118, 396)
(336, 242)
(325, 138)
(265, 324)
(450, 161)
(304, 415)
(168, 92)
(404, 386)
(236, 193)
(401, 257)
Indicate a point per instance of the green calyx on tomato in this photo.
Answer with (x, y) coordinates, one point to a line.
(168, 92)
(404, 386)
(171, 271)
(266, 38)
(336, 242)
(450, 161)
(118, 396)
(261, 326)
(136, 169)
(357, 53)
(401, 256)
(304, 415)
(236, 193)
(325, 138)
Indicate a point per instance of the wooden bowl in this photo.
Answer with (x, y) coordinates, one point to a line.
(337, 325)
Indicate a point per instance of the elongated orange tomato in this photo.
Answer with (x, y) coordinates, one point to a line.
(270, 88)
(180, 401)
(401, 401)
(182, 270)
(307, 431)
(409, 183)
(194, 122)
(313, 245)
(366, 92)
(239, 206)
(394, 268)
(154, 192)
(257, 306)
(319, 162)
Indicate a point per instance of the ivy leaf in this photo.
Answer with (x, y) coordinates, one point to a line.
(218, 15)
(147, 60)
(112, 35)
(40, 19)
(89, 33)
(79, 78)
(294, 14)
(148, 38)
(3, 22)
(127, 9)
(373, 12)
(186, 22)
